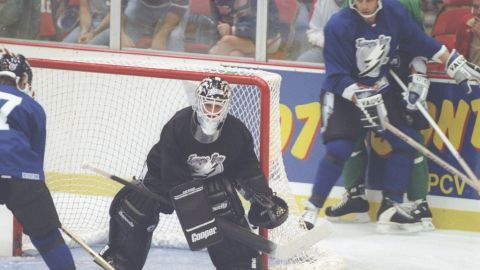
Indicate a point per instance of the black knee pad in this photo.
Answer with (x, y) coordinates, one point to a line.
(134, 217)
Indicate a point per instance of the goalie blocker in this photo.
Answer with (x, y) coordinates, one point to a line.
(195, 215)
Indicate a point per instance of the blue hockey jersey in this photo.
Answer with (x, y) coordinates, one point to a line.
(356, 52)
(22, 135)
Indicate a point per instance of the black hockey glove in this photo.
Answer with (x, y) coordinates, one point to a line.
(267, 211)
(462, 71)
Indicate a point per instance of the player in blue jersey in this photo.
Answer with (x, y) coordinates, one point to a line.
(22, 148)
(359, 95)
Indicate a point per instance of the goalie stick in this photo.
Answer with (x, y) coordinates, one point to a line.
(96, 258)
(422, 149)
(440, 133)
(238, 233)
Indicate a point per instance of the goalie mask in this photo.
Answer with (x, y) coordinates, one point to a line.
(364, 11)
(211, 105)
(17, 68)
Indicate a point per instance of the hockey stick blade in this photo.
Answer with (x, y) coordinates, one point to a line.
(238, 233)
(322, 229)
(282, 252)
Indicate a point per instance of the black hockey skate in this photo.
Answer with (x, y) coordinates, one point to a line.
(394, 218)
(114, 259)
(420, 209)
(353, 207)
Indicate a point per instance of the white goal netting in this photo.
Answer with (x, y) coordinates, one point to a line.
(110, 113)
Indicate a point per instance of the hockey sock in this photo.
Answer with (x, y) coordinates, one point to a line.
(418, 186)
(355, 166)
(398, 166)
(330, 168)
(54, 251)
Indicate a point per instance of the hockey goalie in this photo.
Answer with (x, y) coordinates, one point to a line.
(204, 156)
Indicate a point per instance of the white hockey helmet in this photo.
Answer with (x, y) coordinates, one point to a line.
(365, 16)
(211, 106)
(17, 68)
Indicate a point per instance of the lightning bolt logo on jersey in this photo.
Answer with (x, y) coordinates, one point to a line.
(205, 166)
(360, 52)
(371, 55)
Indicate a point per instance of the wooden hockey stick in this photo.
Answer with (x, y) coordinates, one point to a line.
(422, 149)
(440, 133)
(96, 258)
(238, 233)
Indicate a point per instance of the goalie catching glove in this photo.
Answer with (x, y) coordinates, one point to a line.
(417, 91)
(266, 209)
(462, 71)
(374, 113)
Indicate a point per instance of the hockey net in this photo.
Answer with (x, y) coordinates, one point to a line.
(110, 113)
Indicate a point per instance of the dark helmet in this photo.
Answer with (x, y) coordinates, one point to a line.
(17, 68)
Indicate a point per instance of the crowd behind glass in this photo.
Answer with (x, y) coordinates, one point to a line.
(215, 27)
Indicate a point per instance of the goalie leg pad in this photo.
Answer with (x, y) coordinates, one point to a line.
(133, 220)
(230, 254)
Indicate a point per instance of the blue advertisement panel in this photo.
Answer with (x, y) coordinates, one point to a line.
(455, 112)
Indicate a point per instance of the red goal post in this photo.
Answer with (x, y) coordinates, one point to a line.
(109, 112)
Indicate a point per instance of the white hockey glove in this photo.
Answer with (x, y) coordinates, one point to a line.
(462, 71)
(371, 104)
(417, 91)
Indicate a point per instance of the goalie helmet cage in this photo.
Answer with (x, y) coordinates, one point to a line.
(110, 112)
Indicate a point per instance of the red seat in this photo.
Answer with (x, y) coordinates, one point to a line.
(447, 22)
(448, 40)
(457, 3)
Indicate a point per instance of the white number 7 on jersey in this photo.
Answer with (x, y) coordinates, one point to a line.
(7, 107)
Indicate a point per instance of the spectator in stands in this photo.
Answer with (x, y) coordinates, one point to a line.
(300, 42)
(322, 12)
(236, 25)
(19, 19)
(163, 20)
(94, 21)
(471, 35)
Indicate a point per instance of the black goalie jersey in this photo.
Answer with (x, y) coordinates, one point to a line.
(178, 157)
